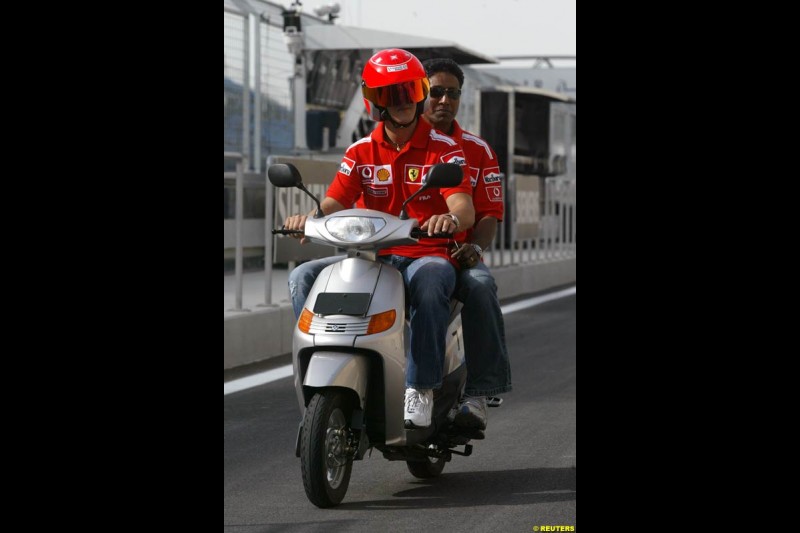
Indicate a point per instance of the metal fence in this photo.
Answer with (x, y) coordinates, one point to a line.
(554, 214)
(258, 118)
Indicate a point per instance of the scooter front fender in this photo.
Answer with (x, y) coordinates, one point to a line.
(337, 369)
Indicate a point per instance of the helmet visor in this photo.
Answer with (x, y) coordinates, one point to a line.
(399, 94)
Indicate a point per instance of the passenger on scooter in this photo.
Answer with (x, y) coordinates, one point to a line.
(385, 168)
(488, 368)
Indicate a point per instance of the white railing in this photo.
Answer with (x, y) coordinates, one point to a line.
(241, 162)
(556, 224)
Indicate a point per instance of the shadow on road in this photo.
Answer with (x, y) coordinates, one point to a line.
(469, 489)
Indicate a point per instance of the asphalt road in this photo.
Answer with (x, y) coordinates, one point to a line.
(523, 475)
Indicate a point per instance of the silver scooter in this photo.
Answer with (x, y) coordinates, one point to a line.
(349, 351)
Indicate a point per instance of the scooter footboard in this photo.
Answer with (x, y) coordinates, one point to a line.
(337, 369)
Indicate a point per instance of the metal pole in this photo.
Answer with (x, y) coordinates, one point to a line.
(269, 217)
(512, 184)
(510, 172)
(546, 221)
(574, 216)
(257, 110)
(240, 164)
(550, 219)
(507, 216)
(299, 102)
(537, 239)
(239, 216)
(246, 91)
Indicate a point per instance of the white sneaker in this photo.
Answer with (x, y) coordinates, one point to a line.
(418, 407)
(472, 413)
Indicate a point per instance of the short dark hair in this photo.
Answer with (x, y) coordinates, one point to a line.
(443, 64)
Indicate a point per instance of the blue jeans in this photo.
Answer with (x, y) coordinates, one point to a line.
(302, 278)
(488, 368)
(429, 284)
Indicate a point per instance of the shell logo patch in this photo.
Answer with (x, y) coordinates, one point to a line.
(382, 175)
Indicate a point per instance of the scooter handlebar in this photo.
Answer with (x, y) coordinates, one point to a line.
(423, 234)
(287, 232)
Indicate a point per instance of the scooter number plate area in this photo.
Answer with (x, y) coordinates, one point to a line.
(342, 303)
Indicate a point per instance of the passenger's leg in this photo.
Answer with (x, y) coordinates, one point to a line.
(488, 368)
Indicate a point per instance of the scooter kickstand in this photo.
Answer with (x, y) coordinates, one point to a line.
(467, 451)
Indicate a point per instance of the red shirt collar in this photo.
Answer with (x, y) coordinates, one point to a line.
(419, 139)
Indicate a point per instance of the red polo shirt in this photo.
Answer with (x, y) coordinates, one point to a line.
(373, 168)
(484, 172)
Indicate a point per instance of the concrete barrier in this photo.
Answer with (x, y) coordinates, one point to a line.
(267, 332)
(519, 280)
(256, 335)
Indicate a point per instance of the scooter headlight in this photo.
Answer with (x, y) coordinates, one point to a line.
(354, 229)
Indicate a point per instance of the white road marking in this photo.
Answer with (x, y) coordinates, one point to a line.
(530, 302)
(255, 380)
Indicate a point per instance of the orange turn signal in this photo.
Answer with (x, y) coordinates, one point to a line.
(304, 324)
(381, 322)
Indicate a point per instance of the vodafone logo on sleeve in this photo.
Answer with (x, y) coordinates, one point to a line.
(365, 171)
(495, 193)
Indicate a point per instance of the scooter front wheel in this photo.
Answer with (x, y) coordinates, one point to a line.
(324, 458)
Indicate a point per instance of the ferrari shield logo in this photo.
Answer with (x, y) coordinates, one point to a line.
(413, 174)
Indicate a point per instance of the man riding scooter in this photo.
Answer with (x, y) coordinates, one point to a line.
(385, 168)
(488, 368)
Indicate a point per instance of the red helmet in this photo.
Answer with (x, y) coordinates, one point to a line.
(393, 77)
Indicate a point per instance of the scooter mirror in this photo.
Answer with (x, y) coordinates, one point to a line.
(287, 175)
(284, 175)
(444, 175)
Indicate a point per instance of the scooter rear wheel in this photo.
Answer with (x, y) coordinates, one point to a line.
(323, 448)
(430, 467)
